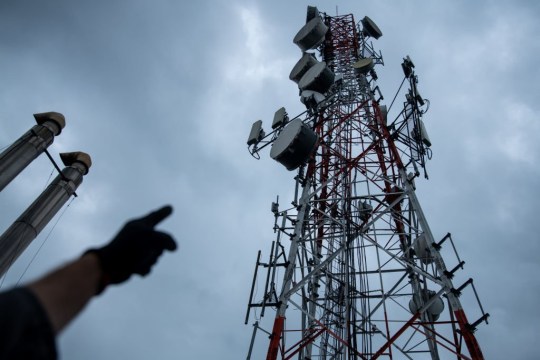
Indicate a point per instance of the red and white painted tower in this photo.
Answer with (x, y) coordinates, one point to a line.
(355, 271)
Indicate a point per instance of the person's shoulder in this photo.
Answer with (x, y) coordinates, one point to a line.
(25, 330)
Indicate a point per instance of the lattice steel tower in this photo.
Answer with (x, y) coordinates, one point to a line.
(355, 271)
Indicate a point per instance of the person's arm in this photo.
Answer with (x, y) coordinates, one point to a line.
(64, 292)
(134, 250)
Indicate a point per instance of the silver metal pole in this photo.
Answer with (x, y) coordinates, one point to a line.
(26, 228)
(29, 146)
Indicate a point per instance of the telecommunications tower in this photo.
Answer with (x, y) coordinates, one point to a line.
(354, 271)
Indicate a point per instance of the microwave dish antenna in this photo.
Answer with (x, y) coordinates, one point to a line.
(311, 34)
(294, 145)
(318, 78)
(302, 66)
(370, 28)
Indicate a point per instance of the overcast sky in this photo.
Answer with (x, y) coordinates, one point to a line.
(162, 95)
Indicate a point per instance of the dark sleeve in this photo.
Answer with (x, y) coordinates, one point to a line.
(25, 330)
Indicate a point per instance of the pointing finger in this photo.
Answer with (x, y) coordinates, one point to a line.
(157, 216)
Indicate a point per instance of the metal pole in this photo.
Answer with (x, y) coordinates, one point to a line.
(26, 228)
(29, 146)
(255, 327)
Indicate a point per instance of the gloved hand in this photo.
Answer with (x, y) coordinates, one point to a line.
(135, 249)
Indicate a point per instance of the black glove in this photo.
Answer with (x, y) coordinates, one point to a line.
(135, 249)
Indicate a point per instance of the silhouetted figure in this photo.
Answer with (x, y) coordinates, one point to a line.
(32, 315)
